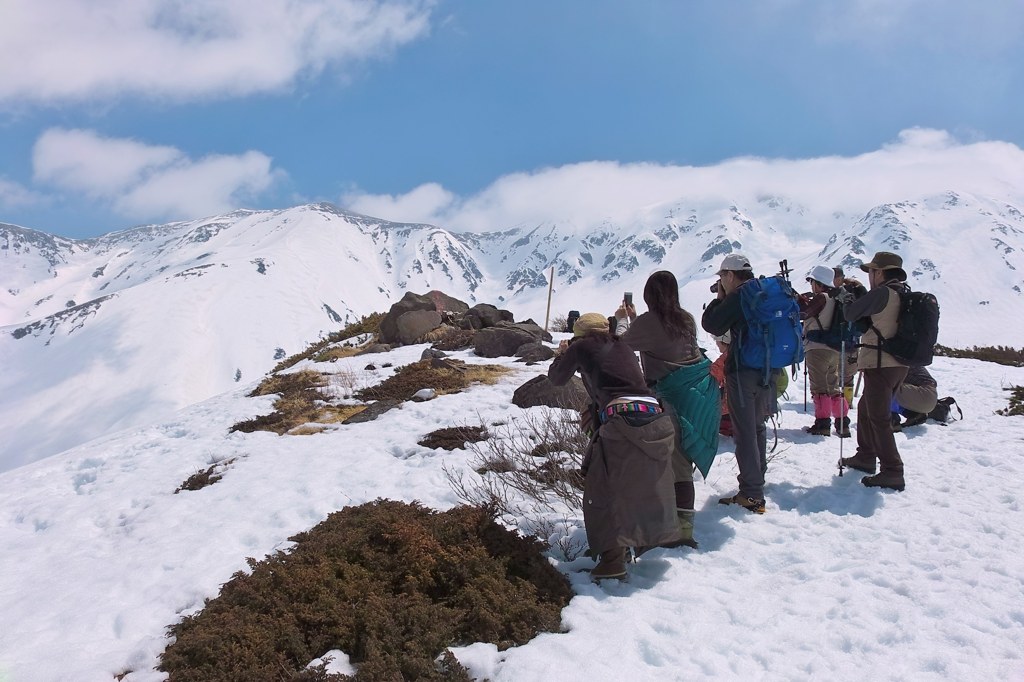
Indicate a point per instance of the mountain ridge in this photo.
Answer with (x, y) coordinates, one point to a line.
(119, 329)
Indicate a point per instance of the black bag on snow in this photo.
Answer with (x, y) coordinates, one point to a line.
(944, 409)
(917, 329)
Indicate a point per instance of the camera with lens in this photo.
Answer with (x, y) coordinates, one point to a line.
(714, 288)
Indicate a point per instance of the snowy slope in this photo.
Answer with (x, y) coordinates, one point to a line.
(124, 329)
(835, 581)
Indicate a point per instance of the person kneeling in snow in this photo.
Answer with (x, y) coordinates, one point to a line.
(628, 495)
(914, 399)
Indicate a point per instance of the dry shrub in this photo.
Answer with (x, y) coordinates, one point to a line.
(333, 353)
(369, 324)
(1016, 406)
(454, 437)
(444, 376)
(528, 465)
(300, 400)
(453, 339)
(557, 323)
(209, 476)
(1003, 355)
(389, 583)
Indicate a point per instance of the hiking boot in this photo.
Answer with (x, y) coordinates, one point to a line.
(860, 464)
(821, 427)
(914, 418)
(612, 565)
(749, 503)
(843, 427)
(885, 480)
(894, 421)
(685, 519)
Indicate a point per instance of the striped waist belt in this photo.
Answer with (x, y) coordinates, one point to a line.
(634, 406)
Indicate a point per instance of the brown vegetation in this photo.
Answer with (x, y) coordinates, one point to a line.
(391, 584)
(454, 437)
(319, 351)
(444, 376)
(1003, 355)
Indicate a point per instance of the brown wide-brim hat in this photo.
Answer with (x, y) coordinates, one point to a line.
(888, 261)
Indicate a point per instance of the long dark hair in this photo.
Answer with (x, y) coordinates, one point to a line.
(661, 294)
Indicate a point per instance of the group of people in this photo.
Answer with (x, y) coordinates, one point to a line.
(653, 422)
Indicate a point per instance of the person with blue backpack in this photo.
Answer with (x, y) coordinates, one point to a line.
(763, 320)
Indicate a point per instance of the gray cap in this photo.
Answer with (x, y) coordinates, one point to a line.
(735, 262)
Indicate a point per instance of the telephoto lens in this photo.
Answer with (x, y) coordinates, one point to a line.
(714, 288)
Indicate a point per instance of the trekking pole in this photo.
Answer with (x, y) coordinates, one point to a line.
(842, 395)
(805, 388)
(551, 285)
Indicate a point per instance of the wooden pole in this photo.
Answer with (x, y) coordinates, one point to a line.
(551, 285)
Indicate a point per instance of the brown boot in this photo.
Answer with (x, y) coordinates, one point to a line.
(860, 464)
(885, 479)
(612, 565)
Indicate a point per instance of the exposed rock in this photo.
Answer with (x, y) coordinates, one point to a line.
(413, 325)
(389, 323)
(424, 394)
(481, 316)
(436, 301)
(430, 353)
(534, 352)
(540, 391)
(534, 328)
(373, 411)
(503, 339)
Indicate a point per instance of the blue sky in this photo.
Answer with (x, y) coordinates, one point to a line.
(121, 112)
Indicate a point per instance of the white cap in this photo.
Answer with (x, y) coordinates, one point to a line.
(822, 274)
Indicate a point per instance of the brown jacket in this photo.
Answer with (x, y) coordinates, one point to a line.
(629, 494)
(880, 307)
(660, 353)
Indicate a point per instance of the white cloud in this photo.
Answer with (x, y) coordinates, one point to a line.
(72, 50)
(919, 163)
(430, 199)
(82, 161)
(13, 195)
(146, 181)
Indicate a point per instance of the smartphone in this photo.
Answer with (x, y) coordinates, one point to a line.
(628, 298)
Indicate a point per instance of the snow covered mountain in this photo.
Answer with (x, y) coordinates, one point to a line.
(118, 331)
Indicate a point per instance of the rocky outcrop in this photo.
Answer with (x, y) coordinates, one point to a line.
(539, 391)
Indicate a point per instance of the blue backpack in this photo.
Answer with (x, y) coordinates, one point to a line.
(773, 337)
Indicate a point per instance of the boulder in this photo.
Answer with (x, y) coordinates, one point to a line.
(409, 302)
(481, 316)
(503, 339)
(534, 351)
(540, 391)
(436, 301)
(413, 325)
(372, 411)
(443, 302)
(431, 353)
(535, 329)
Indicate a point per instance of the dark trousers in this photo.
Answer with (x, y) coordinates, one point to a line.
(750, 403)
(875, 440)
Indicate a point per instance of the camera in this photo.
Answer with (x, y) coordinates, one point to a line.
(627, 298)
(714, 288)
